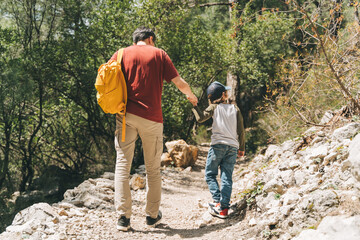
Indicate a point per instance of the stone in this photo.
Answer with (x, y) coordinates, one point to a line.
(329, 158)
(87, 194)
(288, 178)
(108, 175)
(320, 151)
(166, 160)
(105, 183)
(137, 182)
(180, 154)
(63, 213)
(294, 164)
(271, 151)
(327, 117)
(346, 132)
(267, 202)
(334, 228)
(320, 201)
(270, 174)
(252, 222)
(205, 220)
(316, 140)
(354, 156)
(290, 198)
(274, 185)
(300, 177)
(28, 220)
(285, 210)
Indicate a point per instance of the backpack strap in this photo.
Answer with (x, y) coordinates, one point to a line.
(123, 130)
(119, 55)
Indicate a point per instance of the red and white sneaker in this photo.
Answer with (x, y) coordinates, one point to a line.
(214, 204)
(218, 212)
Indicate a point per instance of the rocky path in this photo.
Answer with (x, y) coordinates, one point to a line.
(87, 211)
(184, 206)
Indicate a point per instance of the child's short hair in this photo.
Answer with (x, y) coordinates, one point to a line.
(215, 91)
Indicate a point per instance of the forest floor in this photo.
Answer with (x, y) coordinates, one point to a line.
(184, 199)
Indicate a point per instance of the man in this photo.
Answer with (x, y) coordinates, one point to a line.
(144, 67)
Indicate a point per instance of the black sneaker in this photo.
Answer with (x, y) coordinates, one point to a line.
(152, 221)
(123, 224)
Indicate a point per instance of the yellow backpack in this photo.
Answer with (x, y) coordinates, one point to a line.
(111, 89)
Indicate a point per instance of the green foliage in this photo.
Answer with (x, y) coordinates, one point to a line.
(203, 135)
(50, 116)
(250, 194)
(262, 43)
(277, 196)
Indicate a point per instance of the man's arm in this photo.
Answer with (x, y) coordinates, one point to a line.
(184, 87)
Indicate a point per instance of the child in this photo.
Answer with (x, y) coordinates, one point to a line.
(227, 142)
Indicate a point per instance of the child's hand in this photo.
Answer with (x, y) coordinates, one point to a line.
(241, 153)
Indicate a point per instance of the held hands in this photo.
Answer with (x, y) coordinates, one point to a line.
(241, 153)
(193, 99)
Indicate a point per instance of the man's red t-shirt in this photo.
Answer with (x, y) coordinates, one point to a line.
(145, 67)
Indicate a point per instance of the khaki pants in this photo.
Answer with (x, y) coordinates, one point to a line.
(151, 134)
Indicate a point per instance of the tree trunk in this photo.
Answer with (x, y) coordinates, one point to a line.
(232, 81)
(5, 163)
(231, 78)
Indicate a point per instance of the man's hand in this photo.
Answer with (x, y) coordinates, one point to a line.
(193, 99)
(241, 153)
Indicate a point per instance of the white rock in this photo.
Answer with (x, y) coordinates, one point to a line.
(108, 175)
(300, 177)
(327, 117)
(318, 152)
(285, 210)
(334, 228)
(329, 158)
(274, 185)
(267, 202)
(252, 222)
(288, 178)
(346, 132)
(294, 164)
(290, 198)
(31, 218)
(272, 150)
(354, 156)
(205, 220)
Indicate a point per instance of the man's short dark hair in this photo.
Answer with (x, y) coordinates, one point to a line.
(142, 33)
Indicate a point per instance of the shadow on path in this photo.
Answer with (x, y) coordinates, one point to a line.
(163, 228)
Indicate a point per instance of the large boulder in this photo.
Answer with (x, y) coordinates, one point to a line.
(39, 215)
(92, 193)
(179, 154)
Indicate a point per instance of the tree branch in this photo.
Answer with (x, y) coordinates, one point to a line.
(328, 61)
(215, 4)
